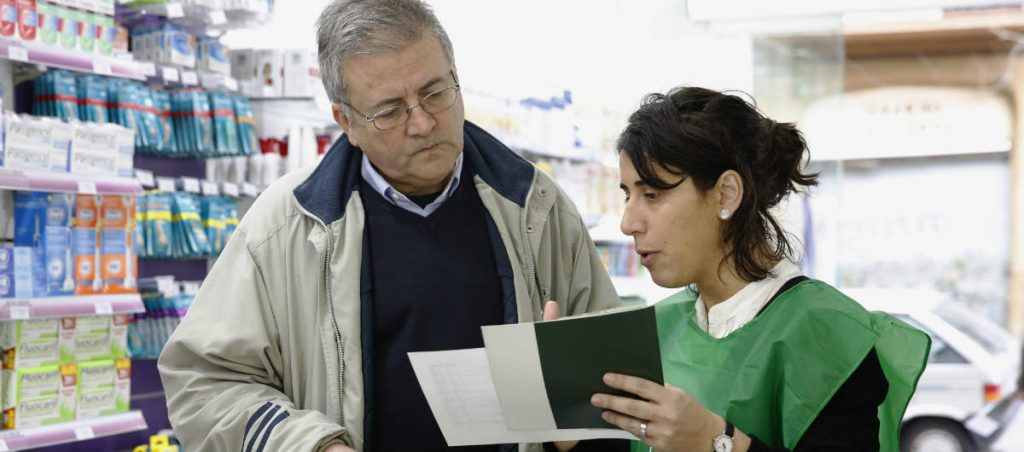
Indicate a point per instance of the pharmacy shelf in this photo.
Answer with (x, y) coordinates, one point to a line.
(69, 306)
(46, 55)
(67, 183)
(605, 229)
(70, 432)
(171, 76)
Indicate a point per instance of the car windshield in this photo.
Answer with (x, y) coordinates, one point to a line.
(986, 334)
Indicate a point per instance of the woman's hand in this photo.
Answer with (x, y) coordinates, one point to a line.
(553, 312)
(668, 418)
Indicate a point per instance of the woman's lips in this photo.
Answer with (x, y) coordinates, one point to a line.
(647, 257)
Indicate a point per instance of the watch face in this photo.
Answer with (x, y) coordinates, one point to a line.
(723, 443)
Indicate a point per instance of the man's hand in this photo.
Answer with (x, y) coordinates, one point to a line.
(338, 448)
(552, 311)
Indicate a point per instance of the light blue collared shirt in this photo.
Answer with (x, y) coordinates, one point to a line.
(372, 177)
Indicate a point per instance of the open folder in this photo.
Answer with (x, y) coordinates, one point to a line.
(533, 381)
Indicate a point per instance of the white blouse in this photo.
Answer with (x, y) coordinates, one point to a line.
(739, 309)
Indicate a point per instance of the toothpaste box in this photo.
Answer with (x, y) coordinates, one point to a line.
(34, 144)
(38, 396)
(94, 150)
(104, 387)
(30, 343)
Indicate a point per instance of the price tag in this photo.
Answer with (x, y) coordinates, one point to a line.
(189, 78)
(102, 67)
(169, 74)
(190, 184)
(210, 188)
(218, 17)
(165, 184)
(20, 312)
(148, 69)
(189, 287)
(230, 189)
(104, 308)
(175, 10)
(145, 177)
(84, 433)
(249, 190)
(86, 187)
(231, 84)
(17, 53)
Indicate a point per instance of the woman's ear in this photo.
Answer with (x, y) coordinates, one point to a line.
(730, 192)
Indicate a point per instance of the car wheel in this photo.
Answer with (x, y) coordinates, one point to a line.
(935, 435)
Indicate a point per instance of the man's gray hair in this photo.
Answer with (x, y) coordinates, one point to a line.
(350, 29)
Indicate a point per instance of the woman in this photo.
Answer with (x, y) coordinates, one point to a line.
(756, 357)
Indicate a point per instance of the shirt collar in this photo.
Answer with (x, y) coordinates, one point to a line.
(395, 197)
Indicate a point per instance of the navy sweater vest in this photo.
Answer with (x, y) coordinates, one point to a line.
(435, 284)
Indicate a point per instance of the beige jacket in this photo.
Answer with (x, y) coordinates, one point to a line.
(269, 356)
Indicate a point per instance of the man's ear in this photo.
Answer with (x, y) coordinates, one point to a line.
(338, 111)
(730, 193)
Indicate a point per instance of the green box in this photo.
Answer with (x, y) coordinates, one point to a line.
(92, 339)
(30, 343)
(104, 388)
(39, 396)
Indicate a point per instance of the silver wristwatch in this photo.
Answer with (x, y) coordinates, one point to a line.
(723, 442)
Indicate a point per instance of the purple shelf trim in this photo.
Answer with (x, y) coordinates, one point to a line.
(66, 182)
(65, 433)
(73, 60)
(83, 305)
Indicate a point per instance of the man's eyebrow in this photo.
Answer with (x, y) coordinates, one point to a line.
(396, 100)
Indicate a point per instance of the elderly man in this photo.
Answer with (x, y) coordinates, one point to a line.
(416, 229)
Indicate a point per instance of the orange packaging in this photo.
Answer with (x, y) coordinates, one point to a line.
(118, 261)
(86, 246)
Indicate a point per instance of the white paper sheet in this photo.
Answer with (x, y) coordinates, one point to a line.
(458, 387)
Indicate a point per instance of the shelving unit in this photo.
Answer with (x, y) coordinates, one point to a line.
(57, 57)
(69, 306)
(69, 432)
(67, 182)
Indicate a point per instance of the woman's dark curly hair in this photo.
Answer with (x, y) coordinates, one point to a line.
(700, 133)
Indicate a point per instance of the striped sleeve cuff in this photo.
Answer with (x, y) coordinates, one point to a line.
(261, 424)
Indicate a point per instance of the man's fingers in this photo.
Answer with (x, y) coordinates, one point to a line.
(552, 311)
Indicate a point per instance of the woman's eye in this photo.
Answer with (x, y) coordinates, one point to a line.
(651, 196)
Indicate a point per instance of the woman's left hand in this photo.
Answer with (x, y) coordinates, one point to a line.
(668, 418)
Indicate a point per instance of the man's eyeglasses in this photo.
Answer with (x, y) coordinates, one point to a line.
(394, 116)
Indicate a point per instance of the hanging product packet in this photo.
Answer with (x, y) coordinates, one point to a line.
(214, 220)
(162, 103)
(150, 122)
(226, 130)
(49, 23)
(248, 142)
(94, 99)
(189, 236)
(158, 228)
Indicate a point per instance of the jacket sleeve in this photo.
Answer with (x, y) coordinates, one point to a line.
(221, 369)
(591, 289)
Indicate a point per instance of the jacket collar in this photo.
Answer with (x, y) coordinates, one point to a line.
(326, 192)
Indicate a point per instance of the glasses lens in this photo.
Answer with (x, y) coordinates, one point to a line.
(389, 118)
(438, 101)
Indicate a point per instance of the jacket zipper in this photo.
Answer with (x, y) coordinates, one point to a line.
(531, 265)
(334, 323)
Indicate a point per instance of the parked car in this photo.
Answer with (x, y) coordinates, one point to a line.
(964, 397)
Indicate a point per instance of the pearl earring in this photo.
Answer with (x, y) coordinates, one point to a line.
(724, 214)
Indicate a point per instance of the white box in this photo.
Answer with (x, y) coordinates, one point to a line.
(270, 64)
(125, 143)
(94, 150)
(34, 144)
(301, 73)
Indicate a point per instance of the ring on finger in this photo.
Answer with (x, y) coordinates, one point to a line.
(643, 431)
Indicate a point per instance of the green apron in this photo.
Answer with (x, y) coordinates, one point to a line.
(774, 375)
